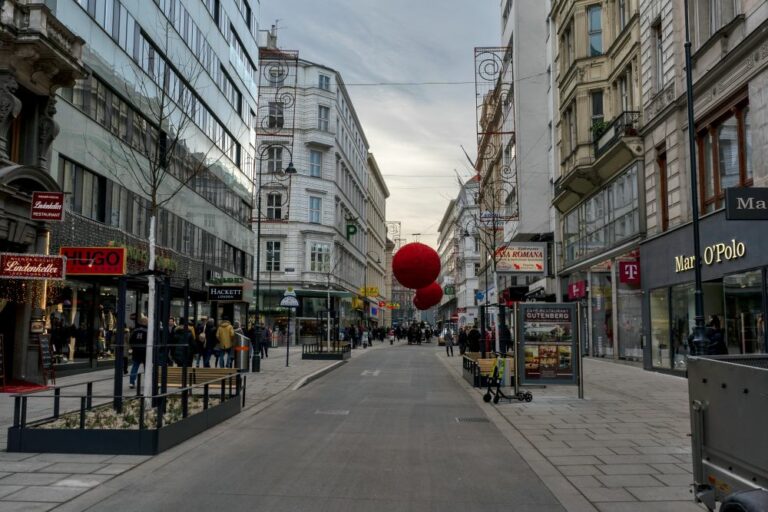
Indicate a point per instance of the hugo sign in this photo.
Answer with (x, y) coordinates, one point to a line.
(94, 261)
(715, 253)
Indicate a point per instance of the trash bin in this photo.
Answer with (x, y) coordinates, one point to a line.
(243, 352)
(255, 362)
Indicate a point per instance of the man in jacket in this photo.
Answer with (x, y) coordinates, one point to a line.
(138, 343)
(473, 338)
(225, 335)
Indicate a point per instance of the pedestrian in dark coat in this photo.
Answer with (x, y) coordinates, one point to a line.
(462, 341)
(473, 339)
(210, 342)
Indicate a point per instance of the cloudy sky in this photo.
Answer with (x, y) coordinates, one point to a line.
(415, 131)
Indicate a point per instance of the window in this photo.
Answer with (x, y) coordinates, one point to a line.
(661, 163)
(315, 209)
(319, 257)
(274, 206)
(275, 119)
(597, 107)
(323, 117)
(274, 159)
(273, 256)
(476, 269)
(595, 30)
(476, 243)
(658, 56)
(324, 82)
(709, 16)
(725, 152)
(625, 91)
(621, 12)
(315, 163)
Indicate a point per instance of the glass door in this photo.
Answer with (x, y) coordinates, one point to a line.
(744, 321)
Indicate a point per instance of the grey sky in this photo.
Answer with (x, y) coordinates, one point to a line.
(415, 132)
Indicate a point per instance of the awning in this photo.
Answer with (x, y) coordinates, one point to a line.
(322, 293)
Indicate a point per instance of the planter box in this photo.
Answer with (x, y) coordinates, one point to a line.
(120, 442)
(327, 356)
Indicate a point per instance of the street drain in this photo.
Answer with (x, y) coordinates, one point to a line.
(472, 420)
(337, 412)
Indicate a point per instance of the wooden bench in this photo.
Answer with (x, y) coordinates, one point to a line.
(196, 376)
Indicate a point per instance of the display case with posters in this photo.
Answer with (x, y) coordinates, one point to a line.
(548, 337)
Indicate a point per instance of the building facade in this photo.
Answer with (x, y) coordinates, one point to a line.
(598, 189)
(161, 122)
(730, 76)
(376, 297)
(314, 225)
(37, 58)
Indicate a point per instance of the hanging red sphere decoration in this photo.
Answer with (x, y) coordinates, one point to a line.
(416, 265)
(418, 303)
(430, 295)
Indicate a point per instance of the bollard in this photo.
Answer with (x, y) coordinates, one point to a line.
(256, 363)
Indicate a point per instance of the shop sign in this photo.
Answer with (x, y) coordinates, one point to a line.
(371, 291)
(577, 290)
(548, 335)
(225, 280)
(449, 290)
(746, 203)
(94, 261)
(31, 266)
(47, 206)
(521, 258)
(629, 272)
(715, 253)
(225, 294)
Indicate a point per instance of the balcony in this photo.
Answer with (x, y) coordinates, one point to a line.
(606, 136)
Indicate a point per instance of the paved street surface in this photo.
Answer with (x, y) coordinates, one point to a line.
(395, 428)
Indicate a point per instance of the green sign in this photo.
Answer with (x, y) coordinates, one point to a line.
(351, 230)
(449, 290)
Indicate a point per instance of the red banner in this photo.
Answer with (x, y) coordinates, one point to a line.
(629, 272)
(31, 266)
(577, 290)
(94, 261)
(47, 206)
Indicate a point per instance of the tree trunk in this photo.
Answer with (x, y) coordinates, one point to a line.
(148, 368)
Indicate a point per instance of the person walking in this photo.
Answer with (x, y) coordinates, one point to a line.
(266, 341)
(183, 346)
(448, 338)
(138, 343)
(463, 340)
(225, 335)
(210, 342)
(473, 339)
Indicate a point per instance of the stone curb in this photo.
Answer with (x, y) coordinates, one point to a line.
(316, 375)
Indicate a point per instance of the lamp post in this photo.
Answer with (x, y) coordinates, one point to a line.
(700, 341)
(290, 170)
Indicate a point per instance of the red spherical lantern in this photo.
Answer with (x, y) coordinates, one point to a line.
(431, 294)
(416, 265)
(418, 303)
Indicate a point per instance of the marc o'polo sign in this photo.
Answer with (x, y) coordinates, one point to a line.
(225, 294)
(31, 266)
(746, 203)
(48, 206)
(94, 261)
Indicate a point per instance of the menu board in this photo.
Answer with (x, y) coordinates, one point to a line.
(46, 359)
(548, 336)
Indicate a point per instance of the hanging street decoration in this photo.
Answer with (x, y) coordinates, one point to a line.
(416, 265)
(430, 295)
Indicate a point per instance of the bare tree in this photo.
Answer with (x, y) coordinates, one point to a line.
(174, 142)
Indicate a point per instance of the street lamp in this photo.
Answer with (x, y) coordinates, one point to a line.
(700, 341)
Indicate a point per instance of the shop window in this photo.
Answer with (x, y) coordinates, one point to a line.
(660, 332)
(725, 153)
(682, 320)
(744, 318)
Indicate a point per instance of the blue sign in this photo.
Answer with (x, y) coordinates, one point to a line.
(479, 295)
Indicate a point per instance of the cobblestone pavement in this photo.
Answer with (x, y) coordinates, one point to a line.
(31, 482)
(624, 448)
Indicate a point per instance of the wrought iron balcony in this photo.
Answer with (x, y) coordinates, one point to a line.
(606, 135)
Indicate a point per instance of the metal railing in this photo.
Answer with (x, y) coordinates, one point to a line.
(230, 386)
(337, 347)
(626, 124)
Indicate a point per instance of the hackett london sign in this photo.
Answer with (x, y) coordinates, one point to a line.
(31, 266)
(47, 206)
(225, 293)
(94, 261)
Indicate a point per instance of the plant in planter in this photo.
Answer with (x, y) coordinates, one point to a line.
(599, 128)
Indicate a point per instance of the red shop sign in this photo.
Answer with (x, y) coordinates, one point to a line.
(629, 272)
(47, 206)
(577, 290)
(94, 261)
(31, 266)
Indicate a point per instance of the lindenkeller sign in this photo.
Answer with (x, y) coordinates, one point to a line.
(47, 206)
(31, 266)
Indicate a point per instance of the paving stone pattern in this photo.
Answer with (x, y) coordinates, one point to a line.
(624, 448)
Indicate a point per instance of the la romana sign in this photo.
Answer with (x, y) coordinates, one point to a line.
(31, 266)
